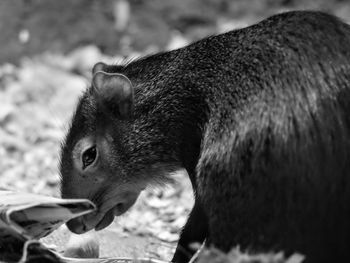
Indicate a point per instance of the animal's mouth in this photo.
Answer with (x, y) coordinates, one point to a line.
(100, 220)
(106, 220)
(117, 210)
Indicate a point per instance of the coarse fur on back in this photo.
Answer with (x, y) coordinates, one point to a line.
(260, 119)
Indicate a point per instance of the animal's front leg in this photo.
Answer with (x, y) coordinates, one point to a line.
(195, 231)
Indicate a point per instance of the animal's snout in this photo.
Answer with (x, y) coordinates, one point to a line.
(77, 225)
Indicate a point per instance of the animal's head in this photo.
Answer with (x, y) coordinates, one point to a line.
(109, 156)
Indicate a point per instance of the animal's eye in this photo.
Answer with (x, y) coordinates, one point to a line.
(89, 156)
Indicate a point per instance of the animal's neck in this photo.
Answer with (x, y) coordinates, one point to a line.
(173, 109)
(175, 118)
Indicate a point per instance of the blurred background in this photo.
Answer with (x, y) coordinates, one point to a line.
(48, 48)
(123, 26)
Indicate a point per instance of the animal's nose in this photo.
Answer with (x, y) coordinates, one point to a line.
(77, 225)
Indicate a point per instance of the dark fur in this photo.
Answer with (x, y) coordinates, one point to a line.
(260, 119)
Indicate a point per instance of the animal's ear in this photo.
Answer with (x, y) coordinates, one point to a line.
(115, 91)
(100, 66)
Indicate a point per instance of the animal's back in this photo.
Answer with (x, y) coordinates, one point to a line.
(275, 161)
